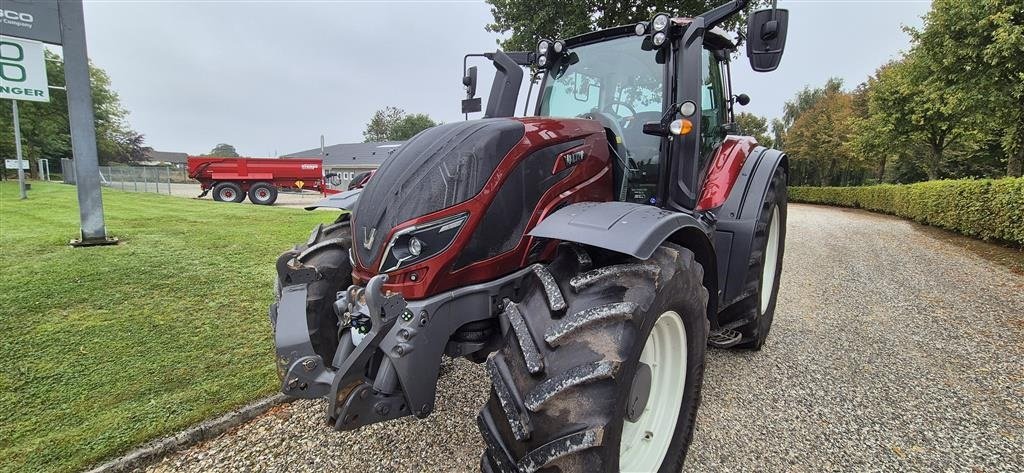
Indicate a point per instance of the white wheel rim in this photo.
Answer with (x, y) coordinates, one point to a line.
(645, 442)
(771, 260)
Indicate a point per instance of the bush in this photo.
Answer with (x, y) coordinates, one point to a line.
(990, 209)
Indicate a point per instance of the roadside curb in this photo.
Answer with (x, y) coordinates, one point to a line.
(154, 451)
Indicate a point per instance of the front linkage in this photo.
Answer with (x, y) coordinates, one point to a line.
(389, 354)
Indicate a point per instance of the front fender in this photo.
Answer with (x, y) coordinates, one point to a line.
(634, 229)
(343, 201)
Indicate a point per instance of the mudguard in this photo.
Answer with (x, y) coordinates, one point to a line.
(342, 201)
(734, 231)
(624, 227)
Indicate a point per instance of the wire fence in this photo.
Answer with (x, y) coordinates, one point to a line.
(156, 179)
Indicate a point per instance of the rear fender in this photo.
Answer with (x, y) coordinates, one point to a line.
(737, 217)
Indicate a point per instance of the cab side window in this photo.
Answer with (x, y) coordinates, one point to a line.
(713, 103)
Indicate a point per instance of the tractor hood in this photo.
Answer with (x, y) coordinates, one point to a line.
(438, 168)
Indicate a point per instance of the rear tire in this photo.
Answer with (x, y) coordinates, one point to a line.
(769, 245)
(562, 386)
(327, 251)
(228, 192)
(263, 193)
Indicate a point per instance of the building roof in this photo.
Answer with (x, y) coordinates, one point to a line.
(166, 156)
(351, 154)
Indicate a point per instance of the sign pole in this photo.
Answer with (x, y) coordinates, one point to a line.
(83, 129)
(17, 149)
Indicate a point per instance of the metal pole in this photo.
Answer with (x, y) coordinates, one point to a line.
(145, 180)
(17, 150)
(83, 128)
(168, 181)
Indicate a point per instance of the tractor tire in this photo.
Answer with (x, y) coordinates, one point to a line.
(228, 192)
(263, 193)
(762, 285)
(570, 385)
(327, 251)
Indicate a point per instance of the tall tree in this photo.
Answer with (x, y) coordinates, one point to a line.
(380, 125)
(908, 104)
(819, 139)
(409, 125)
(392, 124)
(530, 20)
(223, 150)
(755, 126)
(977, 46)
(44, 125)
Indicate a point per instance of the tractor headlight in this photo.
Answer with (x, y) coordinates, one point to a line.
(558, 47)
(659, 38)
(542, 61)
(660, 22)
(415, 246)
(420, 242)
(542, 47)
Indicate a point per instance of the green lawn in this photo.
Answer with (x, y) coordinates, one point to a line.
(105, 348)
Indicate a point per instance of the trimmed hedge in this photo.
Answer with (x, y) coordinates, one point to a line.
(984, 208)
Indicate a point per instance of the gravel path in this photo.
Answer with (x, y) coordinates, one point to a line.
(891, 351)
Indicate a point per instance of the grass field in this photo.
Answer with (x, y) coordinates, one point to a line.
(105, 348)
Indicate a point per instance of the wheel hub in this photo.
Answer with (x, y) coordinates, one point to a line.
(655, 397)
(639, 393)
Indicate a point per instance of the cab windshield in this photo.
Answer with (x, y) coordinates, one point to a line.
(620, 85)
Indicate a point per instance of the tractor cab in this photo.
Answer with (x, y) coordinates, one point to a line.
(661, 138)
(610, 77)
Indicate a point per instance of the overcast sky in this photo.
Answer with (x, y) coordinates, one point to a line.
(271, 77)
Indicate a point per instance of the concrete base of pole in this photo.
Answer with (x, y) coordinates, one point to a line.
(94, 242)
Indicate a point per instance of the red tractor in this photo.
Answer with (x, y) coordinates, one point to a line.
(587, 255)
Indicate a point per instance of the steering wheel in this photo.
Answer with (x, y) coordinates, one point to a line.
(613, 103)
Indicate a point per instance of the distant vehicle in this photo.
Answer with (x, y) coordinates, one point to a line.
(231, 179)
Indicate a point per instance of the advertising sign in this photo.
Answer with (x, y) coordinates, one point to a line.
(22, 70)
(31, 19)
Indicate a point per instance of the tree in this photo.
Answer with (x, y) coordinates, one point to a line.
(44, 125)
(392, 124)
(908, 105)
(755, 126)
(818, 141)
(380, 125)
(531, 20)
(977, 47)
(409, 125)
(223, 150)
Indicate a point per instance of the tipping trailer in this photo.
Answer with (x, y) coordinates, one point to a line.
(231, 179)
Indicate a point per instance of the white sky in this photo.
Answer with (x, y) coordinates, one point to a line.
(270, 77)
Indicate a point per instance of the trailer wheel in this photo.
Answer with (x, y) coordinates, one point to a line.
(263, 193)
(601, 369)
(327, 251)
(769, 245)
(228, 192)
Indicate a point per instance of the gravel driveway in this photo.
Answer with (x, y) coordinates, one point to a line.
(891, 350)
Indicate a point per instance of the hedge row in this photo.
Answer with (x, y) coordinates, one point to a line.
(985, 208)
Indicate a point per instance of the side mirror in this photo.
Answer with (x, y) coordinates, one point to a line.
(471, 104)
(470, 82)
(766, 38)
(655, 129)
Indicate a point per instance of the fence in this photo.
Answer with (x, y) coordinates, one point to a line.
(158, 179)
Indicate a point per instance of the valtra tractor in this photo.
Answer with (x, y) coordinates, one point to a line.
(586, 255)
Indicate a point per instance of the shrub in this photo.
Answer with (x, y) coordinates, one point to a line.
(990, 209)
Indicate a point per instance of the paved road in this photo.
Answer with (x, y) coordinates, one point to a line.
(891, 351)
